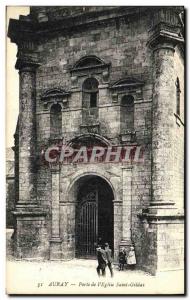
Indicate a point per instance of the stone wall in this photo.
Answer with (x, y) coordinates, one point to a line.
(10, 187)
(130, 61)
(170, 243)
(164, 249)
(178, 144)
(33, 241)
(124, 45)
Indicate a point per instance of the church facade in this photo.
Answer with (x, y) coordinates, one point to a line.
(109, 77)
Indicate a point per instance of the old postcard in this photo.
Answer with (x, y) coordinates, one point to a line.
(95, 150)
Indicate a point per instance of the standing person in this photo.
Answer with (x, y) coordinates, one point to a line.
(108, 252)
(102, 261)
(122, 259)
(131, 259)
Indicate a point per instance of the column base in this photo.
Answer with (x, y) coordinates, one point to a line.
(161, 209)
(30, 233)
(163, 239)
(55, 248)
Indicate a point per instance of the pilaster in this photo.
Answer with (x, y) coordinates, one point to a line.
(126, 207)
(55, 241)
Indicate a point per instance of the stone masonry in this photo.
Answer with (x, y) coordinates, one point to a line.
(10, 187)
(107, 76)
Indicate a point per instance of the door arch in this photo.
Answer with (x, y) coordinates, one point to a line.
(94, 215)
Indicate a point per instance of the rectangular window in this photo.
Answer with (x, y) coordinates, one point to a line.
(93, 99)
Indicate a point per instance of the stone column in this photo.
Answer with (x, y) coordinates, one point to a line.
(55, 241)
(163, 127)
(30, 233)
(161, 221)
(126, 209)
(27, 135)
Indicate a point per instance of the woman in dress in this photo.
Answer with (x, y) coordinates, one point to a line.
(131, 259)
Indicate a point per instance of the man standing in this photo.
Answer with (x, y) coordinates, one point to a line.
(108, 252)
(102, 261)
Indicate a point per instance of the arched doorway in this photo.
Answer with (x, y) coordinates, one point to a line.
(94, 215)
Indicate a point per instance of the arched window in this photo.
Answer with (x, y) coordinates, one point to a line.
(55, 121)
(90, 100)
(178, 91)
(127, 113)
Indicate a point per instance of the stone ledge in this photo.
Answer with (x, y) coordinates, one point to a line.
(29, 213)
(129, 136)
(162, 37)
(161, 217)
(55, 240)
(30, 30)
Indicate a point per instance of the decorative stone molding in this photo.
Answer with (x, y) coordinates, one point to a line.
(126, 86)
(166, 28)
(88, 66)
(54, 96)
(26, 63)
(159, 38)
(94, 128)
(40, 26)
(35, 212)
(54, 93)
(128, 136)
(147, 217)
(89, 62)
(28, 209)
(27, 56)
(89, 136)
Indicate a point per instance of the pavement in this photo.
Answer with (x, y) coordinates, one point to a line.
(79, 276)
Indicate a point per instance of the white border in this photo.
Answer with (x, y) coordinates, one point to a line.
(3, 5)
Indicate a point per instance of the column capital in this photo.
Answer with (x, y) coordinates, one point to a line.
(166, 27)
(127, 168)
(164, 40)
(27, 58)
(54, 168)
(26, 64)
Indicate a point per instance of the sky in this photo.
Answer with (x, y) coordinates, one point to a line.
(12, 77)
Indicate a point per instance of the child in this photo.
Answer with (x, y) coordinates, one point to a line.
(131, 259)
(122, 259)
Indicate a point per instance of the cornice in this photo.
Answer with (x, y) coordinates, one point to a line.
(30, 29)
(166, 30)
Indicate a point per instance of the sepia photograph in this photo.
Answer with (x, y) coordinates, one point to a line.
(95, 117)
